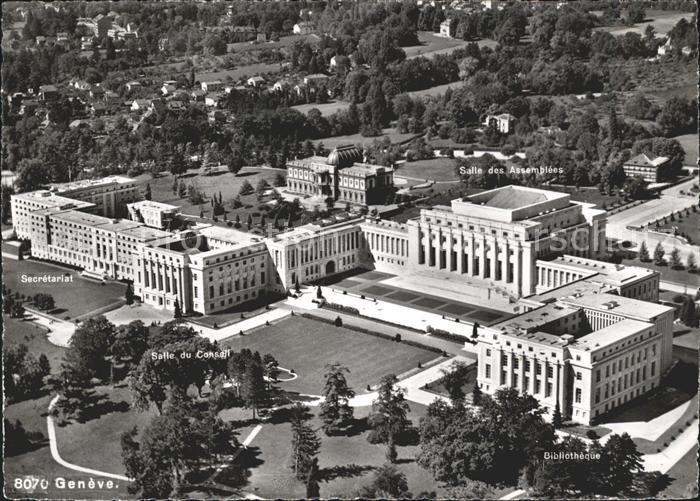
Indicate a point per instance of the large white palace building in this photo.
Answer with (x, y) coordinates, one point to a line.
(589, 335)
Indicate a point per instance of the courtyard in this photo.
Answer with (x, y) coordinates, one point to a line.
(370, 284)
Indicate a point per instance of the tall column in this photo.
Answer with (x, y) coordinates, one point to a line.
(494, 258)
(522, 373)
(470, 256)
(426, 245)
(482, 257)
(516, 269)
(460, 253)
(448, 251)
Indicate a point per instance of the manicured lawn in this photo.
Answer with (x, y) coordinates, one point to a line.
(16, 332)
(93, 444)
(306, 346)
(438, 385)
(667, 273)
(346, 462)
(228, 184)
(432, 44)
(589, 195)
(687, 225)
(439, 169)
(73, 299)
(684, 478)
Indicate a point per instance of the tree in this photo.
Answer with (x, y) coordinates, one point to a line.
(388, 483)
(89, 346)
(313, 490)
(319, 293)
(659, 255)
(620, 458)
(492, 445)
(689, 313)
(297, 287)
(129, 294)
(454, 379)
(635, 188)
(280, 181)
(174, 444)
(253, 387)
(677, 116)
(130, 342)
(389, 416)
(675, 259)
(644, 253)
(177, 314)
(23, 373)
(557, 420)
(17, 310)
(336, 412)
(691, 264)
(305, 443)
(147, 194)
(246, 189)
(477, 394)
(44, 301)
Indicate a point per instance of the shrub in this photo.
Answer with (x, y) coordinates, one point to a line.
(397, 338)
(592, 434)
(338, 322)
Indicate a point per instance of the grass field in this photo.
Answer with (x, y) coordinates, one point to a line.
(439, 169)
(73, 299)
(306, 346)
(94, 444)
(661, 20)
(667, 273)
(325, 108)
(235, 74)
(433, 44)
(346, 462)
(288, 41)
(361, 141)
(689, 142)
(438, 90)
(227, 184)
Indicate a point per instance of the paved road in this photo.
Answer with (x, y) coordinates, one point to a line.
(669, 201)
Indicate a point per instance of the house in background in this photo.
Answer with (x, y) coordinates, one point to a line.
(503, 122)
(649, 168)
(303, 28)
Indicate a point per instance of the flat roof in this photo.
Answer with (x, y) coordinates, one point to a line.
(145, 233)
(87, 183)
(610, 334)
(615, 304)
(533, 319)
(229, 235)
(151, 204)
(514, 197)
(51, 199)
(79, 217)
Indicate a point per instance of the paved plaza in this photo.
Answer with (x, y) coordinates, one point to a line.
(381, 286)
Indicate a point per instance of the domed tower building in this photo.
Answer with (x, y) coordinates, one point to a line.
(343, 177)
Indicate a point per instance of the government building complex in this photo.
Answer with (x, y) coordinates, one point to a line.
(585, 336)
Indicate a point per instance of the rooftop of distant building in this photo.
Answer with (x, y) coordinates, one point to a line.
(610, 334)
(88, 183)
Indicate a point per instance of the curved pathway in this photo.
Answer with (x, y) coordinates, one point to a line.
(54, 451)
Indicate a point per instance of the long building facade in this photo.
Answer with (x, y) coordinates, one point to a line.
(587, 336)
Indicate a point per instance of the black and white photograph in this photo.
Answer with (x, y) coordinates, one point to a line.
(350, 249)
